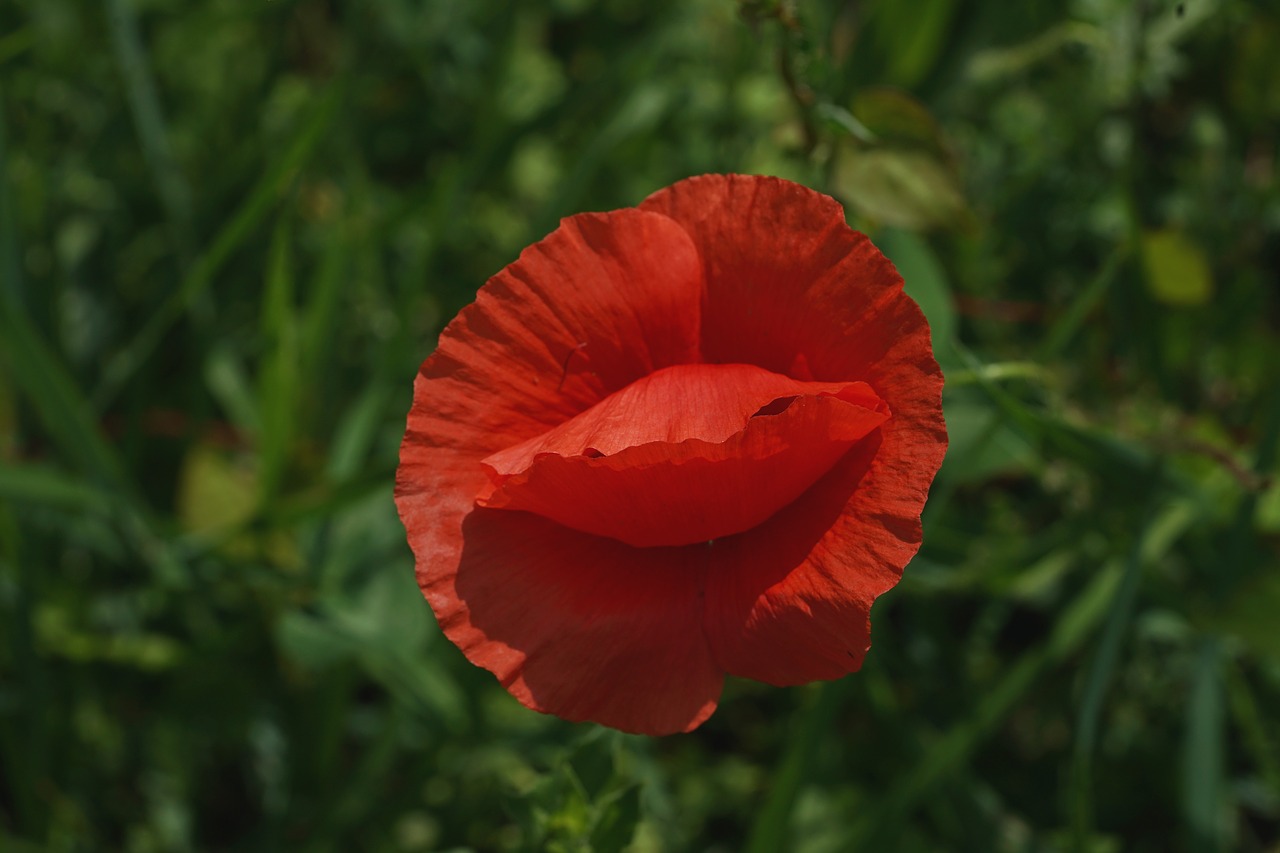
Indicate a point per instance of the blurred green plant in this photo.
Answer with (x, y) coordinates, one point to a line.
(229, 233)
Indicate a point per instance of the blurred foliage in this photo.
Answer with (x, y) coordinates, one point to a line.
(229, 232)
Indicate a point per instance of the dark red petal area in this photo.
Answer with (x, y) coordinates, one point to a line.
(603, 301)
(787, 280)
(788, 602)
(792, 288)
(583, 626)
(687, 454)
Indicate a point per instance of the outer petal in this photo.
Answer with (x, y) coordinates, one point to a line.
(601, 302)
(792, 288)
(585, 626)
(788, 281)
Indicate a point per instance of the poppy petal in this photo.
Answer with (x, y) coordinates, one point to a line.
(688, 454)
(585, 626)
(787, 280)
(709, 402)
(788, 602)
(601, 302)
(792, 288)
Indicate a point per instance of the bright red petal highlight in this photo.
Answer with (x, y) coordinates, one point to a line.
(687, 454)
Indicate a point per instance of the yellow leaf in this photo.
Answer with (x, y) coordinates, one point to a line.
(1176, 268)
(218, 496)
(215, 493)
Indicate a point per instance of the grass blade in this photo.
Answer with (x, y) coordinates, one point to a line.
(31, 485)
(61, 408)
(23, 756)
(11, 284)
(1203, 771)
(1095, 691)
(278, 383)
(1062, 332)
(949, 755)
(1253, 729)
(241, 226)
(772, 826)
(144, 103)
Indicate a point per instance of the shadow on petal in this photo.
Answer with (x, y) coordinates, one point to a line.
(788, 602)
(585, 627)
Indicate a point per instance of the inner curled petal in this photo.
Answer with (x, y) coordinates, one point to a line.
(687, 454)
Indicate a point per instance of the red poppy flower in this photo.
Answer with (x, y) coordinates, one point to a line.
(672, 443)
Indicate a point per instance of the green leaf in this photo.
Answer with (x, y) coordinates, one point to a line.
(1086, 299)
(1249, 614)
(356, 433)
(1254, 727)
(1254, 68)
(925, 281)
(897, 119)
(385, 627)
(903, 188)
(311, 642)
(37, 485)
(911, 36)
(58, 634)
(1268, 510)
(981, 445)
(148, 120)
(58, 401)
(321, 316)
(997, 64)
(1097, 683)
(1204, 787)
(616, 824)
(772, 826)
(228, 381)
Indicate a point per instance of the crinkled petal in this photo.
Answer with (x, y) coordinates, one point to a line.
(708, 402)
(686, 455)
(788, 280)
(792, 288)
(604, 300)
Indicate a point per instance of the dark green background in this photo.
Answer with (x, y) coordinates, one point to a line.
(230, 230)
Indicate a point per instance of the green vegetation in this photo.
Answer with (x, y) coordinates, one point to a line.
(230, 231)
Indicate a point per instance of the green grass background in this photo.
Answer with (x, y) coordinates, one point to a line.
(230, 230)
